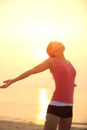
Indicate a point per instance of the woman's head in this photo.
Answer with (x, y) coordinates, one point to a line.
(55, 49)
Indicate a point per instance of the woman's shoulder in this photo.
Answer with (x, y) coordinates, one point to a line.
(51, 61)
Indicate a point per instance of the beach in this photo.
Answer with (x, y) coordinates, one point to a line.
(15, 125)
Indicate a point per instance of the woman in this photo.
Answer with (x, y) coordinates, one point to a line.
(60, 108)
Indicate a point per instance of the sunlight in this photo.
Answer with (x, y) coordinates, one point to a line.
(43, 105)
(40, 33)
(40, 53)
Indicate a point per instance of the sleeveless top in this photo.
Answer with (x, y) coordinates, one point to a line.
(64, 76)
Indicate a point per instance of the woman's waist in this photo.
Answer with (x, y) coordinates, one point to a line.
(59, 103)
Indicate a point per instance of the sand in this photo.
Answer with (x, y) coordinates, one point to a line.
(13, 125)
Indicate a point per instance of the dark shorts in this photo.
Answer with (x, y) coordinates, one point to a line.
(60, 111)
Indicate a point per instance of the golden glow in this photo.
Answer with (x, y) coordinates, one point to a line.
(40, 53)
(25, 30)
(43, 105)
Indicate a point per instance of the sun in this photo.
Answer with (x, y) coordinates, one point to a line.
(39, 52)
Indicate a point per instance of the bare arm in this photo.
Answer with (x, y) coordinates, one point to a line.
(37, 69)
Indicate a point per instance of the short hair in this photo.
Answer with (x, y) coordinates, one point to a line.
(55, 48)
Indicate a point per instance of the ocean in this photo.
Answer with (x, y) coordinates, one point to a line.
(34, 108)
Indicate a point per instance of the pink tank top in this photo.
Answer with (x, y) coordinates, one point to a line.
(64, 76)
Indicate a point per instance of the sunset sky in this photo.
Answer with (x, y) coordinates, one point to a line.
(26, 28)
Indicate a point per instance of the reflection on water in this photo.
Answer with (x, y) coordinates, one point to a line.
(43, 100)
(24, 107)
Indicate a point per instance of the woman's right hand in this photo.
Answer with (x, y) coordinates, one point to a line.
(7, 83)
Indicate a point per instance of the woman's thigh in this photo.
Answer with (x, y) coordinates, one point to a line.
(65, 123)
(51, 122)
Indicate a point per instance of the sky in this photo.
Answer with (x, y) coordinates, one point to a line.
(26, 28)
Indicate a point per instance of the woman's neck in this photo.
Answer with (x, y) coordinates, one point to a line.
(61, 57)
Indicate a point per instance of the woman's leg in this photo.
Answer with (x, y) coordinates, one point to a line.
(51, 122)
(65, 123)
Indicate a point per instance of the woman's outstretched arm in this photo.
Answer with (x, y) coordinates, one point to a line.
(37, 69)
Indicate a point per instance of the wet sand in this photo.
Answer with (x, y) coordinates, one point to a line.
(13, 125)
